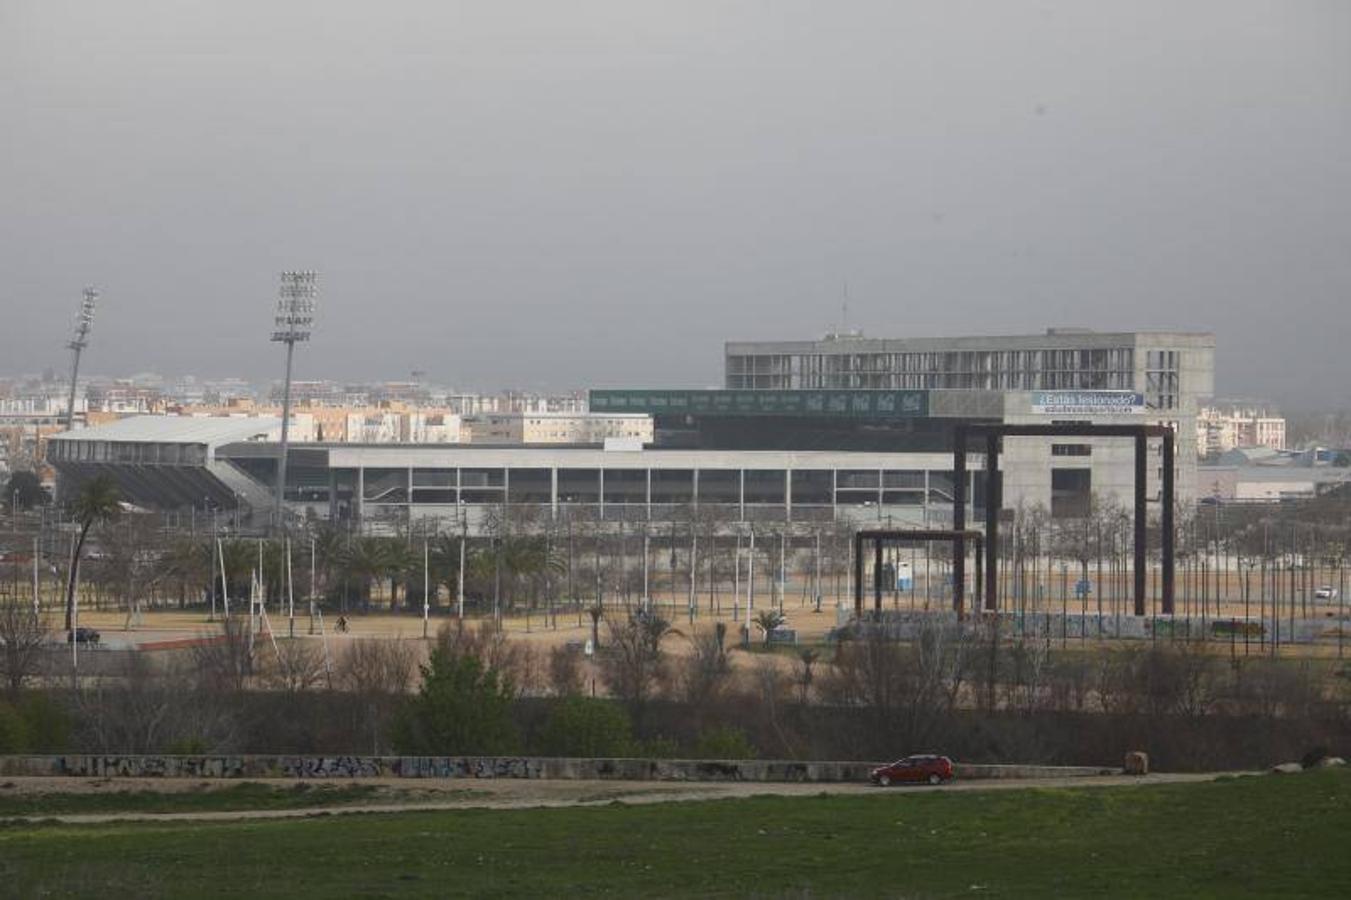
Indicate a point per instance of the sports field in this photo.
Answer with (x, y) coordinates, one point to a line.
(1249, 836)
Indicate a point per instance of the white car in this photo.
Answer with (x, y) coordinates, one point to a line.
(1326, 592)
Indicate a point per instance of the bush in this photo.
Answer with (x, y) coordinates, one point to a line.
(463, 707)
(565, 671)
(656, 748)
(13, 730)
(581, 726)
(725, 742)
(188, 746)
(47, 724)
(1313, 756)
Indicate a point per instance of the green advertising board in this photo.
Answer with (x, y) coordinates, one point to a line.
(834, 404)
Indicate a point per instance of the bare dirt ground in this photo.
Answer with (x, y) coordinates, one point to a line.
(405, 795)
(167, 629)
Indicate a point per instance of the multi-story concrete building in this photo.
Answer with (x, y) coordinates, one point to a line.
(1064, 375)
(1172, 370)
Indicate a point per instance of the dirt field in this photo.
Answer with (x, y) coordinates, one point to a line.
(401, 794)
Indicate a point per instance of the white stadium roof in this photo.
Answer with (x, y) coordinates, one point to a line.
(209, 430)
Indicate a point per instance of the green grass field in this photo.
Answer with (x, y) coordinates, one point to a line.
(1257, 836)
(248, 795)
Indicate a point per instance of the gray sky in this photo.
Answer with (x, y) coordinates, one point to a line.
(543, 193)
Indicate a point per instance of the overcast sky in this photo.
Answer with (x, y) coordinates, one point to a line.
(549, 194)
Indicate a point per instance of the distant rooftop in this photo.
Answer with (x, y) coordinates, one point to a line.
(1050, 337)
(209, 430)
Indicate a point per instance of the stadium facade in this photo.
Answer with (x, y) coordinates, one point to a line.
(865, 444)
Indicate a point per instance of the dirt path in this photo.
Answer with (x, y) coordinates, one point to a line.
(441, 795)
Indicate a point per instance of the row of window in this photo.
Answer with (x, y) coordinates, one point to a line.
(135, 452)
(822, 487)
(1093, 369)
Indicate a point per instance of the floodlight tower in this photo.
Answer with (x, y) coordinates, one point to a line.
(83, 322)
(294, 322)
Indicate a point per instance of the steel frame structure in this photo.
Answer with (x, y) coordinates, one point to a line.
(882, 537)
(994, 492)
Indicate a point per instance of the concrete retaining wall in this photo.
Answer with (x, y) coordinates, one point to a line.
(488, 767)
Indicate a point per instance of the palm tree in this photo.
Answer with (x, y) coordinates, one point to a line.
(397, 560)
(767, 621)
(238, 558)
(654, 628)
(329, 544)
(98, 501)
(189, 563)
(445, 563)
(530, 559)
(596, 612)
(362, 562)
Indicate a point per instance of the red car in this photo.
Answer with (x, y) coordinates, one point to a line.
(914, 769)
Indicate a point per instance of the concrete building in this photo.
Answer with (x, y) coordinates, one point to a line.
(844, 428)
(1221, 427)
(175, 463)
(1064, 375)
(167, 462)
(1172, 370)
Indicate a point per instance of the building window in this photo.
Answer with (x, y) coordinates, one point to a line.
(720, 486)
(625, 485)
(579, 485)
(765, 486)
(1071, 493)
(673, 486)
(530, 486)
(812, 487)
(386, 486)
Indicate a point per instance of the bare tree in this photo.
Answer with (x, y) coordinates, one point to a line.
(371, 666)
(1028, 663)
(490, 643)
(225, 662)
(22, 636)
(143, 708)
(908, 687)
(376, 675)
(565, 671)
(297, 666)
(807, 658)
(634, 661)
(703, 674)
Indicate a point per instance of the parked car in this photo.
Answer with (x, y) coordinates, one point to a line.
(83, 635)
(914, 769)
(1326, 592)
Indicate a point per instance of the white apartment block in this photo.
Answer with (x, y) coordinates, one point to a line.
(1221, 428)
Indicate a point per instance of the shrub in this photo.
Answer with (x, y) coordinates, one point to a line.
(187, 746)
(47, 723)
(13, 730)
(462, 707)
(565, 671)
(1313, 756)
(581, 726)
(725, 742)
(656, 748)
